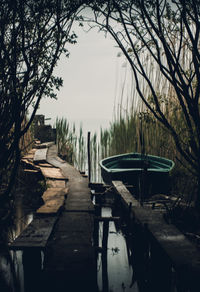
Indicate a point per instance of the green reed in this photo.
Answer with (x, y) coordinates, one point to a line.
(65, 140)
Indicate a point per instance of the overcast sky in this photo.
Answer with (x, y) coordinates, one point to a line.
(91, 77)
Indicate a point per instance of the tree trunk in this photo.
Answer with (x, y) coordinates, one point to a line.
(197, 195)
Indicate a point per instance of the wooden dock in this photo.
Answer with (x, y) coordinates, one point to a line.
(169, 243)
(62, 228)
(70, 257)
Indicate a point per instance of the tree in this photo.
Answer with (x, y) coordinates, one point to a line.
(33, 35)
(168, 32)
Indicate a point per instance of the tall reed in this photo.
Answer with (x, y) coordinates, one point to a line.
(65, 139)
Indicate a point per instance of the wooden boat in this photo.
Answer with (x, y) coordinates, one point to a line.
(146, 173)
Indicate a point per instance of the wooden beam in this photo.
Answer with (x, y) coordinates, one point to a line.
(44, 164)
(53, 173)
(55, 183)
(54, 199)
(40, 155)
(182, 253)
(99, 187)
(106, 219)
(126, 196)
(35, 235)
(30, 154)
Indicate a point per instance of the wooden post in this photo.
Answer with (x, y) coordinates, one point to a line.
(89, 162)
(32, 264)
(104, 256)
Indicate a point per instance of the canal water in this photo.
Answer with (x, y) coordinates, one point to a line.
(26, 201)
(118, 275)
(11, 265)
(123, 258)
(127, 260)
(114, 268)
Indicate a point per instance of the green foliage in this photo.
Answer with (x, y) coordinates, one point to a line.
(33, 35)
(65, 138)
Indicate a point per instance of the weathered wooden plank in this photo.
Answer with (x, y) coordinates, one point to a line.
(44, 145)
(53, 193)
(35, 235)
(40, 155)
(70, 259)
(51, 206)
(184, 255)
(125, 194)
(30, 154)
(53, 183)
(54, 199)
(106, 219)
(27, 170)
(43, 164)
(29, 164)
(98, 187)
(53, 172)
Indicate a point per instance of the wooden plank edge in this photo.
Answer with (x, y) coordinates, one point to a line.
(42, 246)
(172, 241)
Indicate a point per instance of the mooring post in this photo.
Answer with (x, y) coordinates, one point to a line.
(32, 265)
(89, 162)
(104, 256)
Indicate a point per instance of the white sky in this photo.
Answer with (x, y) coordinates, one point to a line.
(90, 76)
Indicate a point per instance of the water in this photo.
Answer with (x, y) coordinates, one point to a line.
(125, 260)
(11, 262)
(128, 260)
(119, 270)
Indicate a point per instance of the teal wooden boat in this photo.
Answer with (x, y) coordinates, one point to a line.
(146, 172)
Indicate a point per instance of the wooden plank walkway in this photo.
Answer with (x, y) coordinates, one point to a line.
(79, 197)
(70, 258)
(53, 183)
(52, 172)
(184, 255)
(54, 199)
(35, 235)
(40, 155)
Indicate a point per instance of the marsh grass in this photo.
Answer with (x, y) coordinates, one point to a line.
(135, 129)
(65, 139)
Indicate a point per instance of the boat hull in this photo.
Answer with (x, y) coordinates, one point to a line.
(148, 174)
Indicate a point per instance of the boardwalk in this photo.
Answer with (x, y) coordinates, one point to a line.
(62, 229)
(69, 260)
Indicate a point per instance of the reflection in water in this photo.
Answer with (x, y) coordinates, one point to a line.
(11, 264)
(127, 262)
(119, 270)
(23, 217)
(133, 262)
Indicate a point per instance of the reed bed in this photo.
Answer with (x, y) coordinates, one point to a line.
(65, 139)
(72, 147)
(135, 129)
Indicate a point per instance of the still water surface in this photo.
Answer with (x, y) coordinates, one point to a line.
(119, 267)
